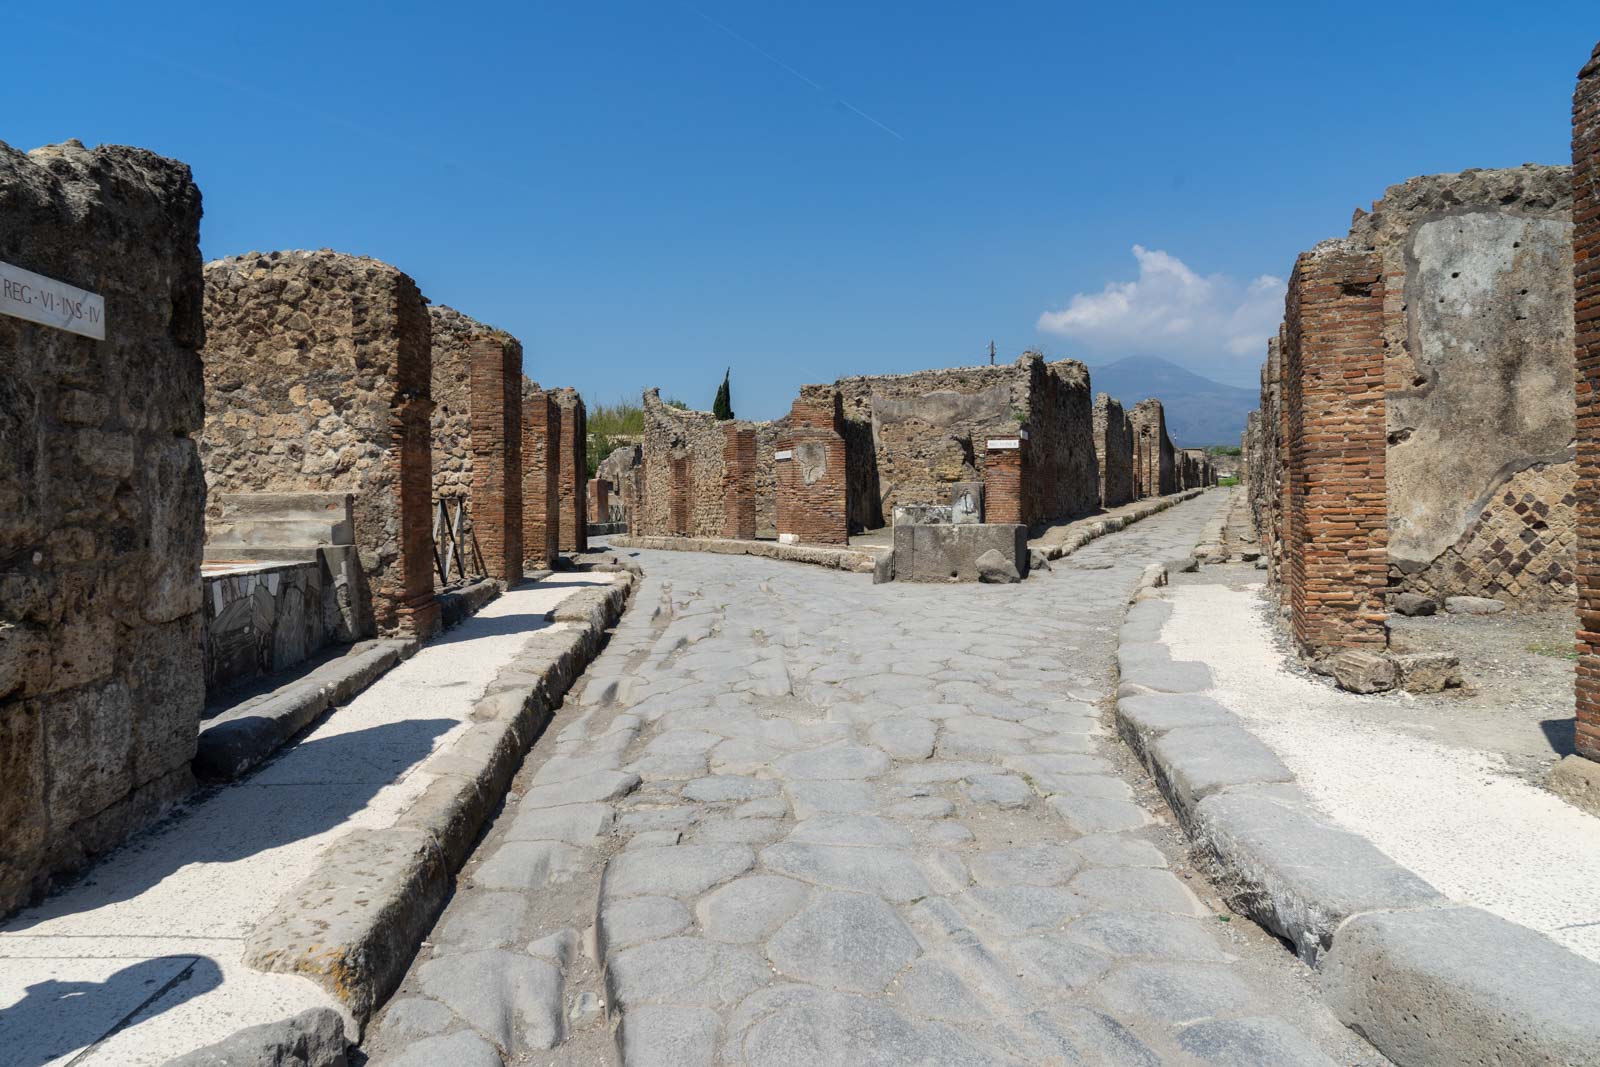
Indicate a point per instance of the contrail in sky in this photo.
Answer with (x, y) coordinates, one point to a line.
(780, 63)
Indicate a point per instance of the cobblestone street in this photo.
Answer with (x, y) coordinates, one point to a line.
(795, 818)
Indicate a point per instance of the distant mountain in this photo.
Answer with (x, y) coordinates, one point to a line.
(1199, 411)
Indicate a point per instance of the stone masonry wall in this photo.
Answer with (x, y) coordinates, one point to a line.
(1335, 548)
(1478, 327)
(317, 371)
(1586, 278)
(541, 493)
(451, 391)
(1061, 480)
(1113, 447)
(696, 436)
(101, 509)
(573, 471)
(1264, 465)
(623, 468)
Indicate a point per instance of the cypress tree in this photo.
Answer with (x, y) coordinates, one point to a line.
(722, 406)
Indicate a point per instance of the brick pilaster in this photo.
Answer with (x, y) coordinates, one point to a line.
(541, 422)
(1586, 277)
(739, 482)
(495, 379)
(408, 604)
(1004, 474)
(573, 475)
(1337, 545)
(599, 500)
(680, 506)
(810, 462)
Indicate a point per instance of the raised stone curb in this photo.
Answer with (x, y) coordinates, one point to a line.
(1093, 531)
(878, 562)
(246, 734)
(1425, 981)
(354, 924)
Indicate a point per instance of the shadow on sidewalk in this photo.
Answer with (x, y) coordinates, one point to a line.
(305, 790)
(54, 1017)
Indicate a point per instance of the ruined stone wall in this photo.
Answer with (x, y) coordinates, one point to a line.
(572, 471)
(1336, 537)
(927, 431)
(1478, 326)
(1154, 462)
(693, 436)
(1062, 482)
(541, 491)
(1113, 447)
(1586, 277)
(767, 434)
(317, 372)
(1263, 467)
(101, 509)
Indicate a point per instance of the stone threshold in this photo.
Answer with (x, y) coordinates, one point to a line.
(242, 736)
(356, 921)
(878, 562)
(1422, 978)
(1063, 540)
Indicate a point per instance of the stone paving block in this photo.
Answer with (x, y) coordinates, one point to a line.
(849, 941)
(529, 865)
(668, 1035)
(1092, 815)
(903, 738)
(681, 871)
(637, 919)
(1016, 910)
(858, 830)
(461, 1049)
(1125, 934)
(1175, 994)
(412, 1017)
(1001, 790)
(933, 991)
(685, 970)
(1082, 1035)
(1278, 861)
(606, 785)
(811, 799)
(749, 909)
(482, 920)
(314, 1038)
(1137, 889)
(1251, 1043)
(889, 873)
(1459, 985)
(1057, 963)
(1118, 850)
(1191, 763)
(576, 824)
(509, 997)
(1024, 865)
(721, 787)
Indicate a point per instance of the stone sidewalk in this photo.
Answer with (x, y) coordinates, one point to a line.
(139, 960)
(796, 818)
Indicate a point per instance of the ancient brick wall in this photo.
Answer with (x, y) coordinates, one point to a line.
(1005, 480)
(497, 472)
(317, 371)
(1336, 543)
(573, 471)
(541, 496)
(1154, 462)
(1113, 448)
(1586, 278)
(1263, 469)
(599, 500)
(1478, 326)
(1061, 480)
(101, 508)
(812, 504)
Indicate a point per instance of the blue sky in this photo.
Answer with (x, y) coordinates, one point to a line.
(648, 193)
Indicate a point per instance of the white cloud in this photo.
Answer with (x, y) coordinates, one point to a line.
(1171, 311)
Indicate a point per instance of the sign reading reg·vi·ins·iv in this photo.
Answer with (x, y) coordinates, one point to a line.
(26, 295)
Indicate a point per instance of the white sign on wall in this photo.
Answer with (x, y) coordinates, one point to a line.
(1003, 442)
(783, 453)
(26, 295)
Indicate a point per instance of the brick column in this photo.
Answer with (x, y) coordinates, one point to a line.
(739, 482)
(812, 480)
(1004, 471)
(1337, 550)
(574, 472)
(495, 378)
(599, 500)
(541, 421)
(678, 507)
(404, 600)
(1586, 276)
